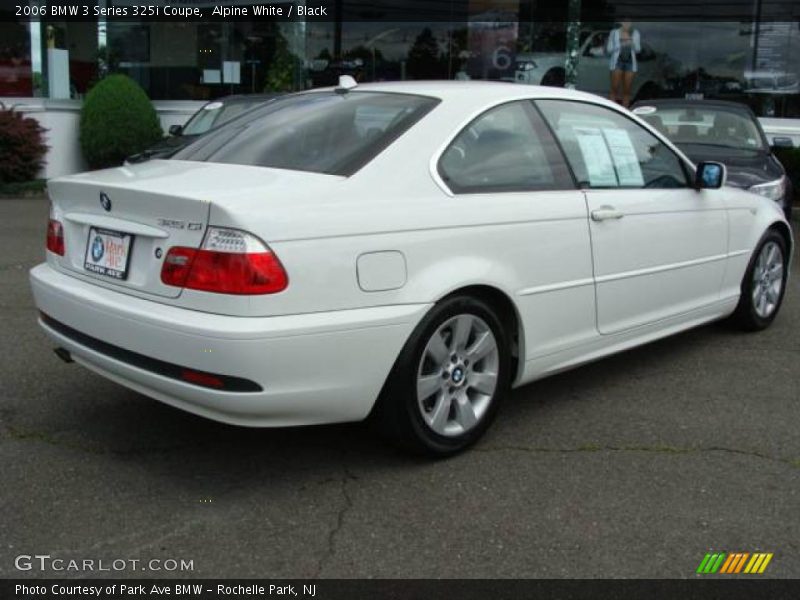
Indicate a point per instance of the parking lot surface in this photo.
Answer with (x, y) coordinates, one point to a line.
(635, 466)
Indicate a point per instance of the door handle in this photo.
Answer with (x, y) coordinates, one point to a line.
(606, 212)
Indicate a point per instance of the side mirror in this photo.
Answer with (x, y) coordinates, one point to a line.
(175, 129)
(710, 175)
(782, 142)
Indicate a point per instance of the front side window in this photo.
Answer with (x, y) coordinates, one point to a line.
(506, 149)
(607, 150)
(321, 132)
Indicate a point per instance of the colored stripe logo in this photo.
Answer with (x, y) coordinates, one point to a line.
(735, 562)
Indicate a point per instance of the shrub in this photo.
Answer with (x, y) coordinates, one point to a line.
(790, 158)
(22, 147)
(117, 120)
(22, 189)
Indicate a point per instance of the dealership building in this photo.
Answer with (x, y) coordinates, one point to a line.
(740, 50)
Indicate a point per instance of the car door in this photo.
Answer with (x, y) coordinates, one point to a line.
(658, 245)
(504, 170)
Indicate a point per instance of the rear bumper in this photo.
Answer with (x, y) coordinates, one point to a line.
(315, 368)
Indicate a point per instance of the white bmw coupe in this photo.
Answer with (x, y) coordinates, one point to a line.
(406, 252)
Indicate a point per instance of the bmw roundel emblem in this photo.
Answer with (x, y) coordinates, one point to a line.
(105, 201)
(97, 249)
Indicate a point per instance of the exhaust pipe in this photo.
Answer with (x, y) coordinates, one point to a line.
(63, 355)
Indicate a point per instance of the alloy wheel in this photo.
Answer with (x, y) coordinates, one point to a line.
(458, 375)
(767, 280)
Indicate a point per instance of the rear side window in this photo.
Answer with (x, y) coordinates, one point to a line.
(506, 149)
(321, 132)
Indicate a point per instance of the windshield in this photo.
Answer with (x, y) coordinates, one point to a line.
(321, 132)
(214, 114)
(711, 126)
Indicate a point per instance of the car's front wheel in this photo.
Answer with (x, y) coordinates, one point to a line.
(554, 78)
(452, 374)
(764, 284)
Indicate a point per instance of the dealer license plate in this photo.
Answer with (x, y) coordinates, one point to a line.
(107, 253)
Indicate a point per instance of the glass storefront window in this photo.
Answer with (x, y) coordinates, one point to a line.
(16, 73)
(202, 61)
(750, 61)
(742, 62)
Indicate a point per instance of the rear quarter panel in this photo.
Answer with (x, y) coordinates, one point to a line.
(533, 246)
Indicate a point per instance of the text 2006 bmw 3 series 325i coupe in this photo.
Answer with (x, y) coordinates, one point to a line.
(406, 252)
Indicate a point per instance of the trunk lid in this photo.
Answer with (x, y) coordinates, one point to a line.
(154, 206)
(166, 203)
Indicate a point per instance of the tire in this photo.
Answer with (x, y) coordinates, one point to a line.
(434, 405)
(764, 284)
(648, 91)
(554, 78)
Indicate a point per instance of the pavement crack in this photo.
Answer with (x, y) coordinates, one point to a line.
(341, 514)
(658, 449)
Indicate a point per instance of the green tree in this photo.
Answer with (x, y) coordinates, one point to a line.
(423, 57)
(281, 75)
(364, 54)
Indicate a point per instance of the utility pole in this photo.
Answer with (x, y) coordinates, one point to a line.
(573, 43)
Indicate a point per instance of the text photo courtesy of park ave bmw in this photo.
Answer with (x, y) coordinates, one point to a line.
(399, 299)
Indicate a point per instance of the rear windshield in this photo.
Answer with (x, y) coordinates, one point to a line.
(321, 132)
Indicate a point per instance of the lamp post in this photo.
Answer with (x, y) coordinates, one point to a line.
(573, 43)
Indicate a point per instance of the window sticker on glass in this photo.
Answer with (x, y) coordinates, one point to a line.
(629, 172)
(599, 165)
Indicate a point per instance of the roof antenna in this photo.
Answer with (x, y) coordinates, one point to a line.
(346, 83)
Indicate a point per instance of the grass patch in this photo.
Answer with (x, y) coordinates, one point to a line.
(36, 187)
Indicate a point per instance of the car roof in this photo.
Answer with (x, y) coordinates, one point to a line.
(234, 98)
(476, 92)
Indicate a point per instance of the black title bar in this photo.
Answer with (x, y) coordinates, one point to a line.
(409, 11)
(705, 588)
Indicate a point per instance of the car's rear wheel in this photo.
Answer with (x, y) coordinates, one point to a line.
(452, 374)
(764, 284)
(554, 78)
(648, 91)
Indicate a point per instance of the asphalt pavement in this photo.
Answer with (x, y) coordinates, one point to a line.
(634, 466)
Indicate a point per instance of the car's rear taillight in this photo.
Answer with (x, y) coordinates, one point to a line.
(228, 262)
(55, 237)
